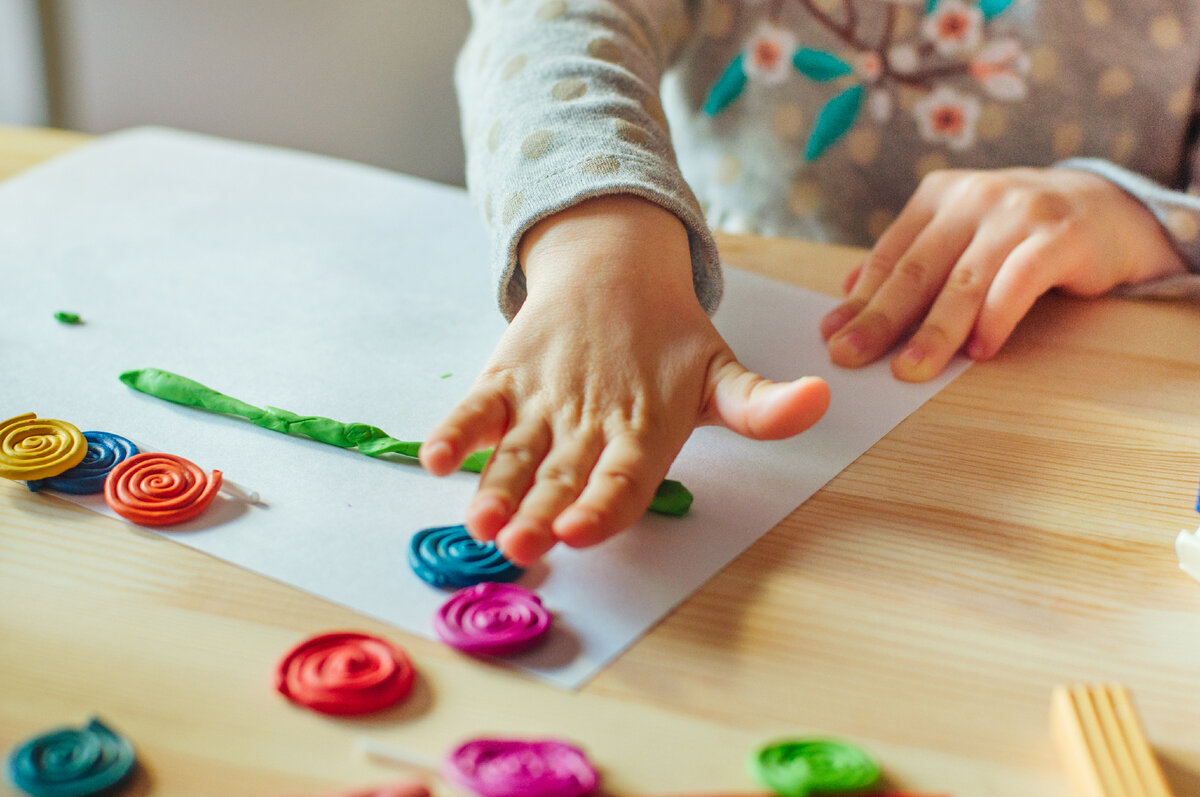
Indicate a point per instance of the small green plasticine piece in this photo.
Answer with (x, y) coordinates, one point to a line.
(67, 318)
(671, 498)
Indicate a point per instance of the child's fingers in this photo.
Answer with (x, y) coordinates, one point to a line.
(558, 481)
(507, 477)
(849, 281)
(476, 422)
(1021, 280)
(758, 408)
(954, 312)
(620, 488)
(904, 296)
(867, 278)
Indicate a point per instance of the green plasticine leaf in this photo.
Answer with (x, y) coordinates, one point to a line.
(820, 65)
(671, 498)
(728, 87)
(67, 318)
(835, 119)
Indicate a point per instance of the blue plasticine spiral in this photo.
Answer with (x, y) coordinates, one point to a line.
(104, 451)
(449, 557)
(70, 762)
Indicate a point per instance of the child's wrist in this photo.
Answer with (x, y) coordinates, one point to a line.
(620, 242)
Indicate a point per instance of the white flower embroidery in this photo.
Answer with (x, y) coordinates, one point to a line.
(1001, 68)
(954, 27)
(769, 54)
(880, 104)
(946, 115)
(904, 59)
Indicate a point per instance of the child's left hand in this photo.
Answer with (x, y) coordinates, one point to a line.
(973, 250)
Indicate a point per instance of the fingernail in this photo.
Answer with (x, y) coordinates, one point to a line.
(438, 450)
(913, 355)
(486, 515)
(834, 321)
(574, 521)
(852, 340)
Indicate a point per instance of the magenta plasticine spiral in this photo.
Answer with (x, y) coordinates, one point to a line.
(521, 768)
(345, 673)
(492, 619)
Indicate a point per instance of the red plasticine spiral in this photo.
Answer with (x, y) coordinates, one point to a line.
(345, 673)
(159, 489)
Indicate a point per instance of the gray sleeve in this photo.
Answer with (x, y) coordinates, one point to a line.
(1177, 211)
(559, 103)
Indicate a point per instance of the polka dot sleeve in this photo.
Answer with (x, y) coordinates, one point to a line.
(1179, 214)
(560, 103)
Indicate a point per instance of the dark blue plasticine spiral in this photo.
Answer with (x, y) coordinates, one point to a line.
(104, 451)
(449, 557)
(72, 762)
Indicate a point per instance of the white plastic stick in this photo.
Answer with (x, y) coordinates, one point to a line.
(396, 756)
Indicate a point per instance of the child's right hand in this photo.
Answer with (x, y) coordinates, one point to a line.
(598, 382)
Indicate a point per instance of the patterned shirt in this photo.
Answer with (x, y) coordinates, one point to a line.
(817, 118)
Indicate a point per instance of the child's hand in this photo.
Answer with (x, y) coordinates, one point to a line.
(973, 250)
(599, 381)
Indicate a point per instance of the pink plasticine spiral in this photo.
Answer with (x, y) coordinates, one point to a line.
(521, 768)
(492, 619)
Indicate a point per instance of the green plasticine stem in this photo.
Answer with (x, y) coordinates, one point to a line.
(671, 498)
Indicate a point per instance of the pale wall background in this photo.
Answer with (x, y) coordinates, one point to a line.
(22, 77)
(369, 80)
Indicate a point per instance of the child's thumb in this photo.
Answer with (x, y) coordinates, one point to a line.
(756, 407)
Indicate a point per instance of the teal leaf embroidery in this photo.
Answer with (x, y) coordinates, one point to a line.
(835, 119)
(820, 65)
(728, 87)
(991, 8)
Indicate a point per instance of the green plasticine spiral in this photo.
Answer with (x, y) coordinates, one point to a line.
(671, 498)
(803, 767)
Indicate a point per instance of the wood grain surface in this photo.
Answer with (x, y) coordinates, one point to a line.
(1013, 534)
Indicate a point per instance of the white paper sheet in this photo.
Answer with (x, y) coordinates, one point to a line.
(332, 289)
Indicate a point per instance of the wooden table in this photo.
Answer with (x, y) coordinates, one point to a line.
(1014, 533)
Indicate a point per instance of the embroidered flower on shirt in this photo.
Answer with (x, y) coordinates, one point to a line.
(769, 53)
(953, 27)
(948, 59)
(948, 116)
(1001, 68)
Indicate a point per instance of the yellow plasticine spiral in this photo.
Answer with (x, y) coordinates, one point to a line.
(38, 449)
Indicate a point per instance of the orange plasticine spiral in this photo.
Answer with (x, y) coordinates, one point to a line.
(159, 489)
(38, 449)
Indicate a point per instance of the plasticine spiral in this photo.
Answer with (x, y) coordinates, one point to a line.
(521, 768)
(159, 489)
(448, 556)
(403, 789)
(345, 673)
(38, 449)
(798, 768)
(492, 619)
(104, 451)
(70, 762)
